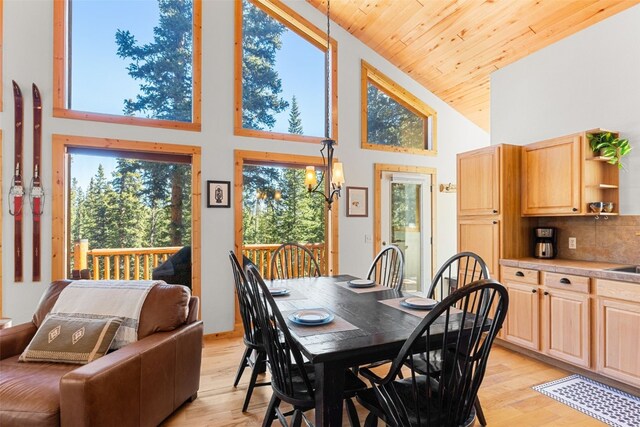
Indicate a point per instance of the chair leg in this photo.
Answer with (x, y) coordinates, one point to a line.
(352, 412)
(252, 382)
(371, 421)
(271, 415)
(243, 364)
(296, 420)
(479, 413)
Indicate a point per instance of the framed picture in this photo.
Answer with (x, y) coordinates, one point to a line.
(358, 201)
(218, 194)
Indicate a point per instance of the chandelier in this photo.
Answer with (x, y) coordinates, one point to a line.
(332, 170)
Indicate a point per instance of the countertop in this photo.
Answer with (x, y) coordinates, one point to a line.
(579, 268)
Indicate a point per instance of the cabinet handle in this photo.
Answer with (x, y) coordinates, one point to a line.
(565, 281)
(495, 211)
(534, 291)
(546, 293)
(495, 222)
(575, 209)
(519, 274)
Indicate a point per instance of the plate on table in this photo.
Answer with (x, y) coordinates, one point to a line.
(361, 283)
(419, 303)
(311, 317)
(275, 291)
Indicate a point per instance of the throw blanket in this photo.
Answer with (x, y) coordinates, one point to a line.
(97, 299)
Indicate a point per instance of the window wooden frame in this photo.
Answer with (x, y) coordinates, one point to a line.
(1, 80)
(59, 219)
(275, 159)
(378, 169)
(370, 74)
(60, 77)
(307, 31)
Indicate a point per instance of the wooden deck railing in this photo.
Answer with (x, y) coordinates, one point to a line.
(261, 254)
(120, 263)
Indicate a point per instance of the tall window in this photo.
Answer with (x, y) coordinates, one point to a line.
(135, 62)
(395, 120)
(280, 74)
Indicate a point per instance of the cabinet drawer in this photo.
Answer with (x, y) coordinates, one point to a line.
(619, 290)
(522, 275)
(568, 282)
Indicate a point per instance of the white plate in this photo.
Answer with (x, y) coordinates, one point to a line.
(278, 291)
(312, 316)
(417, 302)
(361, 283)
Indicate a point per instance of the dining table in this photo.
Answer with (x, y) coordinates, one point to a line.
(370, 327)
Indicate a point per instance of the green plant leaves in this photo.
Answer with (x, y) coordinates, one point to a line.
(610, 146)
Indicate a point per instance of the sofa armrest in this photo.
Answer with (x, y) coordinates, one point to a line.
(140, 384)
(15, 339)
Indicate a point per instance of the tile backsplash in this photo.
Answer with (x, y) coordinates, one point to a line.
(616, 239)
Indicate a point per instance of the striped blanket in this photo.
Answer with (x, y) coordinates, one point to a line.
(97, 299)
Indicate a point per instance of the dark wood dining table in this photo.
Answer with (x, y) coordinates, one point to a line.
(381, 332)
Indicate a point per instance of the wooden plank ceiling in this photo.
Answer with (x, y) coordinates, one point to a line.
(452, 46)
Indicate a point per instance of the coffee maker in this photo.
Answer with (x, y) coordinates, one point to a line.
(545, 242)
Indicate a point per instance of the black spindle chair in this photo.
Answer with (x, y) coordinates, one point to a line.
(292, 380)
(252, 340)
(291, 261)
(387, 268)
(445, 398)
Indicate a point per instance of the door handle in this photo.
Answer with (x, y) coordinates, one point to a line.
(546, 293)
(565, 281)
(534, 291)
(384, 243)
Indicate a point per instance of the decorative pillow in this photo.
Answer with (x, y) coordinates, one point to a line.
(71, 339)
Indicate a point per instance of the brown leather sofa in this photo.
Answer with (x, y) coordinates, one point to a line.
(138, 385)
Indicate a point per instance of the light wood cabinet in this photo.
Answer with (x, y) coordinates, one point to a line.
(523, 315)
(481, 236)
(562, 176)
(479, 182)
(489, 218)
(618, 320)
(566, 328)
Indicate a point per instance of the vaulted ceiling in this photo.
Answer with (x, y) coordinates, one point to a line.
(452, 46)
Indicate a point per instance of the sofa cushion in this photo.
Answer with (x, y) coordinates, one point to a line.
(71, 339)
(165, 308)
(29, 392)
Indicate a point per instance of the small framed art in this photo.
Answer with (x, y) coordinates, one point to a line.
(218, 194)
(358, 201)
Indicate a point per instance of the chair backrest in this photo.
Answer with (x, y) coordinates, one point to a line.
(251, 331)
(291, 261)
(289, 379)
(464, 352)
(458, 271)
(387, 268)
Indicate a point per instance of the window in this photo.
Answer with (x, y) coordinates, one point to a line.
(395, 120)
(280, 74)
(133, 62)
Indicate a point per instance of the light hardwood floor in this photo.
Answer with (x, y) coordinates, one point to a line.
(506, 394)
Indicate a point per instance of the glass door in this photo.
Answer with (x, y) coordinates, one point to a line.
(406, 223)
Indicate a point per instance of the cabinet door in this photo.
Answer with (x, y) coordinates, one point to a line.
(566, 330)
(551, 177)
(619, 340)
(479, 182)
(523, 315)
(481, 236)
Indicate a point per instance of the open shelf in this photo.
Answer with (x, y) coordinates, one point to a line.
(603, 214)
(599, 159)
(603, 186)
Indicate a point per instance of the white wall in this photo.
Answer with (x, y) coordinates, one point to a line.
(28, 58)
(588, 80)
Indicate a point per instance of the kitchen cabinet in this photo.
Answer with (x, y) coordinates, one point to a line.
(489, 218)
(523, 315)
(562, 176)
(618, 336)
(566, 318)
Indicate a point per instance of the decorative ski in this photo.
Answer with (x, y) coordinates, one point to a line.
(16, 192)
(36, 192)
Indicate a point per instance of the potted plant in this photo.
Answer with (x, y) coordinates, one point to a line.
(610, 146)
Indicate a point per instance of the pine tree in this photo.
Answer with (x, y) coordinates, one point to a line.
(390, 123)
(98, 203)
(261, 86)
(130, 213)
(164, 65)
(295, 122)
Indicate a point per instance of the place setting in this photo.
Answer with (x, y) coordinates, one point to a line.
(281, 292)
(418, 306)
(314, 321)
(360, 286)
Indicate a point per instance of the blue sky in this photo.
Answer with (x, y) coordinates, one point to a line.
(100, 82)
